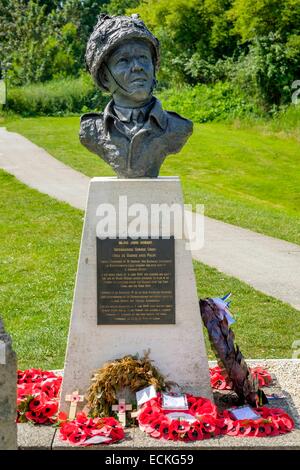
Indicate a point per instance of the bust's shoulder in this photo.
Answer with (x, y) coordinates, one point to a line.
(178, 123)
(90, 125)
(90, 118)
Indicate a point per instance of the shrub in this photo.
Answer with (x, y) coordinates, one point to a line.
(57, 97)
(204, 103)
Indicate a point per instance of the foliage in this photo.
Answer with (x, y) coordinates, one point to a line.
(257, 18)
(58, 97)
(204, 103)
(45, 39)
(189, 31)
(253, 43)
(129, 372)
(119, 7)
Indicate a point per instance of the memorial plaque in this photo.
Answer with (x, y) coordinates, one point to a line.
(135, 281)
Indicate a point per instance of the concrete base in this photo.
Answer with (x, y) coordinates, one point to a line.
(177, 350)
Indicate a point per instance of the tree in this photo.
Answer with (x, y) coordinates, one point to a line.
(119, 7)
(44, 39)
(271, 31)
(192, 33)
(258, 18)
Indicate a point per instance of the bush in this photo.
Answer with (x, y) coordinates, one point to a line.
(57, 97)
(204, 103)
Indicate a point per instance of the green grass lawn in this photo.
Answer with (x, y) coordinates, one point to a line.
(38, 255)
(244, 176)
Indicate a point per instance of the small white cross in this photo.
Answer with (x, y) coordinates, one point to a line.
(74, 399)
(121, 409)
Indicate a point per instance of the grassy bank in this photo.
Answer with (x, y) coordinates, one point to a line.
(39, 251)
(247, 176)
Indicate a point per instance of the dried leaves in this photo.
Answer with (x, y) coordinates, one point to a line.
(129, 372)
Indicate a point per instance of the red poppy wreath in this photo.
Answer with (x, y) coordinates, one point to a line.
(208, 422)
(87, 431)
(220, 381)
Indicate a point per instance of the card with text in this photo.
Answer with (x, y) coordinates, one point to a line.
(146, 394)
(174, 402)
(244, 412)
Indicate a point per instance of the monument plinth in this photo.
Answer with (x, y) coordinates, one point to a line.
(176, 344)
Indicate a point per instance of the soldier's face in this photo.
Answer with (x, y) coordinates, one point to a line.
(132, 68)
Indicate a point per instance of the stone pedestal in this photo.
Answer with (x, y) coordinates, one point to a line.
(178, 350)
(8, 393)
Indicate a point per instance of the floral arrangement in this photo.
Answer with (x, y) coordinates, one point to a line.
(86, 431)
(220, 381)
(128, 372)
(37, 396)
(209, 422)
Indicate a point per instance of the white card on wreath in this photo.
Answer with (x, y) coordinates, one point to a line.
(244, 412)
(174, 402)
(146, 394)
(174, 416)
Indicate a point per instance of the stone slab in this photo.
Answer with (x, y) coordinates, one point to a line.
(177, 350)
(31, 437)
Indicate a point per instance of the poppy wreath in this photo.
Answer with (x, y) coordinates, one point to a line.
(37, 396)
(81, 429)
(220, 381)
(208, 422)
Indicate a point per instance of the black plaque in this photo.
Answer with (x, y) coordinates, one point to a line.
(135, 281)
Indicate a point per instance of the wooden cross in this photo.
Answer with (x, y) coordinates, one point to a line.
(121, 409)
(74, 399)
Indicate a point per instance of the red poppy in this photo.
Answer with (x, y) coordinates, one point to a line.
(62, 416)
(67, 428)
(173, 431)
(262, 375)
(164, 429)
(37, 404)
(235, 429)
(77, 437)
(50, 408)
(155, 425)
(195, 432)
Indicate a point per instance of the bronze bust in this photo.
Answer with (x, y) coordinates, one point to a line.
(133, 134)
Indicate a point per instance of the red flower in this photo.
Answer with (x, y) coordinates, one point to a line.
(164, 429)
(36, 404)
(262, 375)
(195, 433)
(173, 430)
(62, 416)
(50, 408)
(77, 437)
(155, 425)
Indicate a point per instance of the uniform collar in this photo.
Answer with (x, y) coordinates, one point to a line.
(124, 114)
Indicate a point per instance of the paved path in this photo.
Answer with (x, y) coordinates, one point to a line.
(268, 264)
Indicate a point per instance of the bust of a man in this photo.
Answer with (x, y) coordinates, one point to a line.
(133, 134)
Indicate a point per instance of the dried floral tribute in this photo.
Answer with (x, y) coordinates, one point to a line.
(129, 372)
